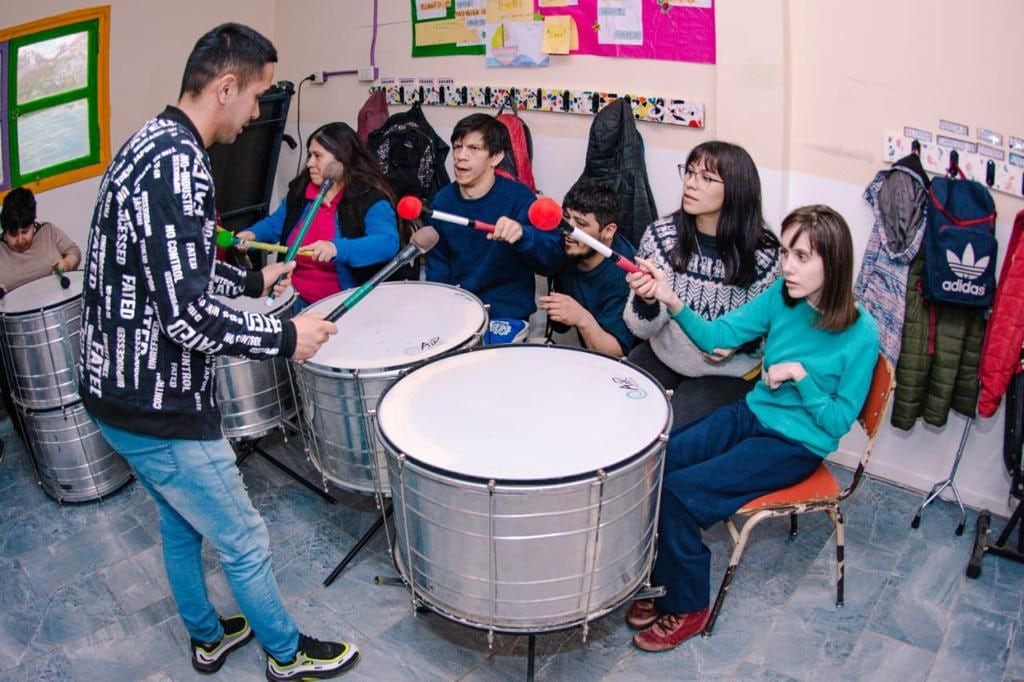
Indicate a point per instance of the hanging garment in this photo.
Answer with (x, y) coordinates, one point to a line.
(939, 358)
(615, 156)
(1000, 357)
(897, 197)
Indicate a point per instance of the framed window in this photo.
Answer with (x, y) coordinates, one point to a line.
(54, 100)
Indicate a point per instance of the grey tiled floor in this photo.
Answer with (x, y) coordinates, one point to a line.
(83, 597)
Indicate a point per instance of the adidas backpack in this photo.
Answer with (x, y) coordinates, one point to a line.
(960, 244)
(411, 154)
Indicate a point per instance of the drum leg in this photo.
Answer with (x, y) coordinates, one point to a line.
(367, 536)
(248, 448)
(531, 652)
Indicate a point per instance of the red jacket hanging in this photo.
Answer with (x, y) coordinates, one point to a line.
(1000, 356)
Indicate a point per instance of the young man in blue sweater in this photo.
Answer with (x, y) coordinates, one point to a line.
(498, 267)
(590, 291)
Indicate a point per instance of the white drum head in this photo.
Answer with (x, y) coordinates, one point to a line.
(42, 293)
(248, 304)
(399, 324)
(520, 413)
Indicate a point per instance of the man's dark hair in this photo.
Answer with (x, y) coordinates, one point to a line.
(590, 196)
(19, 210)
(495, 134)
(228, 47)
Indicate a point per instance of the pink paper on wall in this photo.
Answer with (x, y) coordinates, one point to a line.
(677, 33)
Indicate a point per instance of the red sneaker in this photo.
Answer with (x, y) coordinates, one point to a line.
(671, 630)
(642, 614)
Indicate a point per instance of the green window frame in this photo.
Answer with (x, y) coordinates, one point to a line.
(94, 23)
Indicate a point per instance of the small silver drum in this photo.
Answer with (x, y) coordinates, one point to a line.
(525, 482)
(72, 459)
(255, 396)
(40, 326)
(396, 326)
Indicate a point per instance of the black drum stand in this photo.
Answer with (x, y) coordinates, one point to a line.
(365, 538)
(1013, 449)
(245, 448)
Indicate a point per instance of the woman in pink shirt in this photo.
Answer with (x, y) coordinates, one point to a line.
(354, 231)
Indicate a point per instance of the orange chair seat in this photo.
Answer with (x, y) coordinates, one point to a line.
(819, 486)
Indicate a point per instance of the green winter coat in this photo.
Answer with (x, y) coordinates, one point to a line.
(928, 385)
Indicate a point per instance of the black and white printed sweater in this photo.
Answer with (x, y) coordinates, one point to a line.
(702, 289)
(150, 324)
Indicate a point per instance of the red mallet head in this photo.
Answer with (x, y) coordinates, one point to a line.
(545, 214)
(410, 207)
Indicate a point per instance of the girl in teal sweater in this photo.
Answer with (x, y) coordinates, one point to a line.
(820, 350)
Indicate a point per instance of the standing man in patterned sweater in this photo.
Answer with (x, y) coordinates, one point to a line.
(150, 331)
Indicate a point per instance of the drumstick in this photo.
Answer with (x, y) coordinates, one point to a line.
(549, 209)
(226, 239)
(64, 281)
(422, 240)
(331, 174)
(410, 208)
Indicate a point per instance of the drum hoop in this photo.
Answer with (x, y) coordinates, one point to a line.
(35, 311)
(379, 372)
(390, 446)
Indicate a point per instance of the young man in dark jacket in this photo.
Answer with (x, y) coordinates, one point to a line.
(150, 331)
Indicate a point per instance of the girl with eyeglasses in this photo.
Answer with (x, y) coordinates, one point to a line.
(356, 228)
(717, 254)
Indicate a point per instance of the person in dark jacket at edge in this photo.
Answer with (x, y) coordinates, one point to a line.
(150, 330)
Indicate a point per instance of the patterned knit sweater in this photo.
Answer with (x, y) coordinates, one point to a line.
(702, 289)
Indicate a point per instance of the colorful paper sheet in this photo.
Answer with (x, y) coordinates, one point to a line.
(683, 32)
(516, 44)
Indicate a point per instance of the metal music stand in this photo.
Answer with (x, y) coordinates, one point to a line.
(1013, 449)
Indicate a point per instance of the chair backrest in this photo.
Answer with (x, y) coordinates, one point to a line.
(883, 381)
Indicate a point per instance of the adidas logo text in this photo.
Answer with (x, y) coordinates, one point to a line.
(962, 286)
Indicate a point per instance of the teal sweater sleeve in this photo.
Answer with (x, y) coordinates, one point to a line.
(740, 325)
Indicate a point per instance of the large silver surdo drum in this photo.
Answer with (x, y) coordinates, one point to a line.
(72, 459)
(39, 332)
(525, 482)
(255, 396)
(396, 326)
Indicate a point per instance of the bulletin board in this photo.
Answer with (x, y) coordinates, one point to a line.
(676, 30)
(446, 27)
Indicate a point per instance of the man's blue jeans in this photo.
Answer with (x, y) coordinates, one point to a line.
(199, 493)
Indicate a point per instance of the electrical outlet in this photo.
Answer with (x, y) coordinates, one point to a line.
(318, 77)
(368, 74)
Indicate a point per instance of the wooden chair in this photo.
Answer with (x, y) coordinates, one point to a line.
(819, 492)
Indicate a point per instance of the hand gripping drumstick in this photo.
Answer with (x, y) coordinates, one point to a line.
(226, 239)
(411, 208)
(331, 174)
(545, 210)
(59, 274)
(422, 240)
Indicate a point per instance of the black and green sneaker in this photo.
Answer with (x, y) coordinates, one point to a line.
(208, 658)
(314, 660)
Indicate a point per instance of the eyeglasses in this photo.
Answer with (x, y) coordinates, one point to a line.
(701, 180)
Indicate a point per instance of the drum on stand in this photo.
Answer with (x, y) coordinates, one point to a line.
(525, 481)
(397, 326)
(40, 326)
(255, 396)
(73, 462)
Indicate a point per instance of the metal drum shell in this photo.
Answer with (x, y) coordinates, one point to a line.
(256, 396)
(338, 407)
(551, 565)
(72, 459)
(40, 349)
(447, 533)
